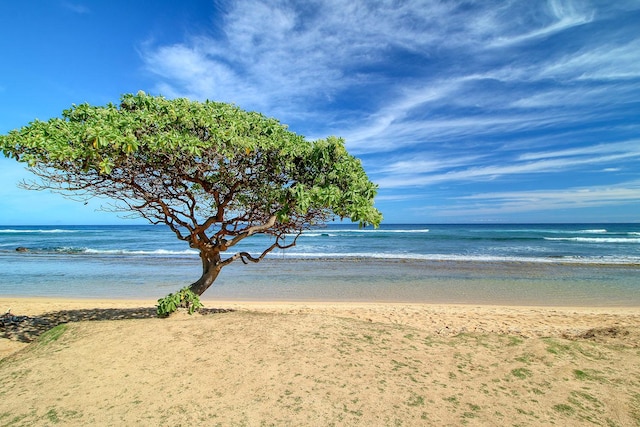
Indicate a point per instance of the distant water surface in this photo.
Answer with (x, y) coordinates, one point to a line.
(540, 264)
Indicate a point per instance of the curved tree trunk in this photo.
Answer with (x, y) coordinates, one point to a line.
(210, 270)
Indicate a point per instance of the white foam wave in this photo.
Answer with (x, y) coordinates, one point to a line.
(378, 230)
(12, 231)
(596, 239)
(464, 258)
(342, 232)
(157, 252)
(293, 255)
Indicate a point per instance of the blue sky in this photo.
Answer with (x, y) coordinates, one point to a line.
(462, 111)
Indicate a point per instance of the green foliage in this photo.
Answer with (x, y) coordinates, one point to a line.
(184, 298)
(52, 334)
(209, 146)
(522, 373)
(52, 416)
(213, 173)
(564, 409)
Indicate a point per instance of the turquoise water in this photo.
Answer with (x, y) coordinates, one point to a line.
(541, 264)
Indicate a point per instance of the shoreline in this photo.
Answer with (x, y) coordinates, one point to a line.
(527, 284)
(35, 304)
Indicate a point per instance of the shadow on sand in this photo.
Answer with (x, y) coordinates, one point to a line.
(27, 329)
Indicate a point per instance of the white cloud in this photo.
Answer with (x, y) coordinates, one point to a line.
(311, 49)
(306, 52)
(415, 173)
(505, 203)
(629, 148)
(605, 62)
(577, 96)
(77, 8)
(417, 165)
(391, 132)
(191, 72)
(562, 15)
(431, 92)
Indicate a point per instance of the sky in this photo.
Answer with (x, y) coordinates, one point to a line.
(461, 111)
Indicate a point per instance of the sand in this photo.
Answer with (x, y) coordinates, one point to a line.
(114, 363)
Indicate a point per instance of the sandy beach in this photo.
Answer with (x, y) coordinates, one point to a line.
(112, 362)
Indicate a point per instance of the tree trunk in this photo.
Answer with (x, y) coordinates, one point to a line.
(210, 270)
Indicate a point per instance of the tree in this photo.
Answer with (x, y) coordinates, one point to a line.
(213, 173)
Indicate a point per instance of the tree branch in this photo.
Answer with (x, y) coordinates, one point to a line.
(246, 256)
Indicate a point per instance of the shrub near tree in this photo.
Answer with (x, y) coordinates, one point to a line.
(213, 173)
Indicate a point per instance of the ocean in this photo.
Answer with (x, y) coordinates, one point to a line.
(524, 264)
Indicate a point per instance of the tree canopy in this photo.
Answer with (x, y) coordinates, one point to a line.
(214, 173)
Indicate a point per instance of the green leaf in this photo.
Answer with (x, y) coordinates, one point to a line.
(189, 163)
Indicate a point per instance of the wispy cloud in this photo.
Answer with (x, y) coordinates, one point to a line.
(562, 15)
(624, 148)
(504, 203)
(429, 92)
(418, 166)
(305, 54)
(76, 7)
(309, 49)
(413, 173)
(606, 62)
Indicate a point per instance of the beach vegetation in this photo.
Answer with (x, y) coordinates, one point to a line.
(52, 334)
(514, 341)
(588, 375)
(557, 347)
(585, 401)
(212, 172)
(452, 399)
(184, 298)
(564, 409)
(635, 407)
(526, 358)
(522, 373)
(15, 420)
(468, 414)
(52, 416)
(415, 400)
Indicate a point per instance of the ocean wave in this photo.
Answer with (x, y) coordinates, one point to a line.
(156, 252)
(378, 231)
(596, 239)
(293, 255)
(421, 230)
(342, 232)
(63, 250)
(465, 258)
(592, 231)
(13, 231)
(536, 231)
